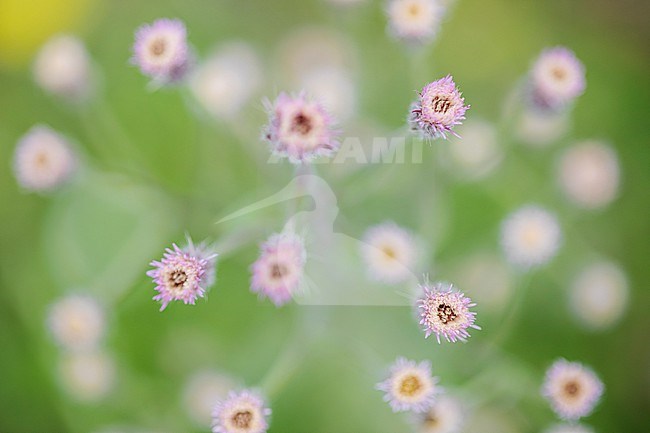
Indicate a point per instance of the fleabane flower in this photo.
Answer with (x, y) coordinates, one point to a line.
(445, 416)
(589, 174)
(410, 386)
(557, 78)
(43, 160)
(77, 322)
(241, 412)
(278, 271)
(390, 252)
(530, 236)
(599, 295)
(444, 311)
(415, 21)
(161, 50)
(300, 129)
(438, 108)
(183, 274)
(572, 389)
(62, 67)
(87, 376)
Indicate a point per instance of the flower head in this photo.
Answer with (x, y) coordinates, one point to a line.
(183, 274)
(445, 416)
(77, 322)
(62, 67)
(599, 295)
(226, 81)
(300, 129)
(444, 311)
(531, 236)
(414, 21)
(557, 78)
(410, 386)
(390, 252)
(439, 107)
(161, 51)
(589, 174)
(43, 160)
(572, 389)
(278, 271)
(241, 412)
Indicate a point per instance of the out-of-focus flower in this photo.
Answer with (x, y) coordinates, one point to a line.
(569, 428)
(589, 174)
(477, 153)
(335, 88)
(300, 129)
(530, 236)
(439, 107)
(444, 311)
(390, 252)
(77, 322)
(487, 278)
(161, 51)
(539, 128)
(557, 78)
(183, 274)
(415, 21)
(203, 391)
(226, 81)
(43, 159)
(62, 67)
(241, 412)
(572, 389)
(278, 271)
(599, 295)
(87, 376)
(410, 386)
(445, 416)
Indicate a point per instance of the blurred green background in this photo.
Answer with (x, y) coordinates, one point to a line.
(177, 173)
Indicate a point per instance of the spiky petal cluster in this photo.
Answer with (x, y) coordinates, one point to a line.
(241, 412)
(161, 51)
(557, 78)
(572, 389)
(300, 129)
(183, 274)
(444, 311)
(438, 108)
(278, 271)
(410, 386)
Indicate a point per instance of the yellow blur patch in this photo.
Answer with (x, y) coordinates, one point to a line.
(26, 24)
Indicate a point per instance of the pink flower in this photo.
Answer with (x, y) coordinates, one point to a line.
(278, 271)
(438, 109)
(557, 78)
(161, 50)
(183, 274)
(572, 389)
(300, 129)
(241, 412)
(410, 386)
(445, 312)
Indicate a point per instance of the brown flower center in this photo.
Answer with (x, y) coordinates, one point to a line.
(446, 314)
(558, 73)
(158, 47)
(278, 271)
(431, 420)
(440, 104)
(571, 388)
(301, 124)
(41, 160)
(177, 278)
(242, 419)
(410, 385)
